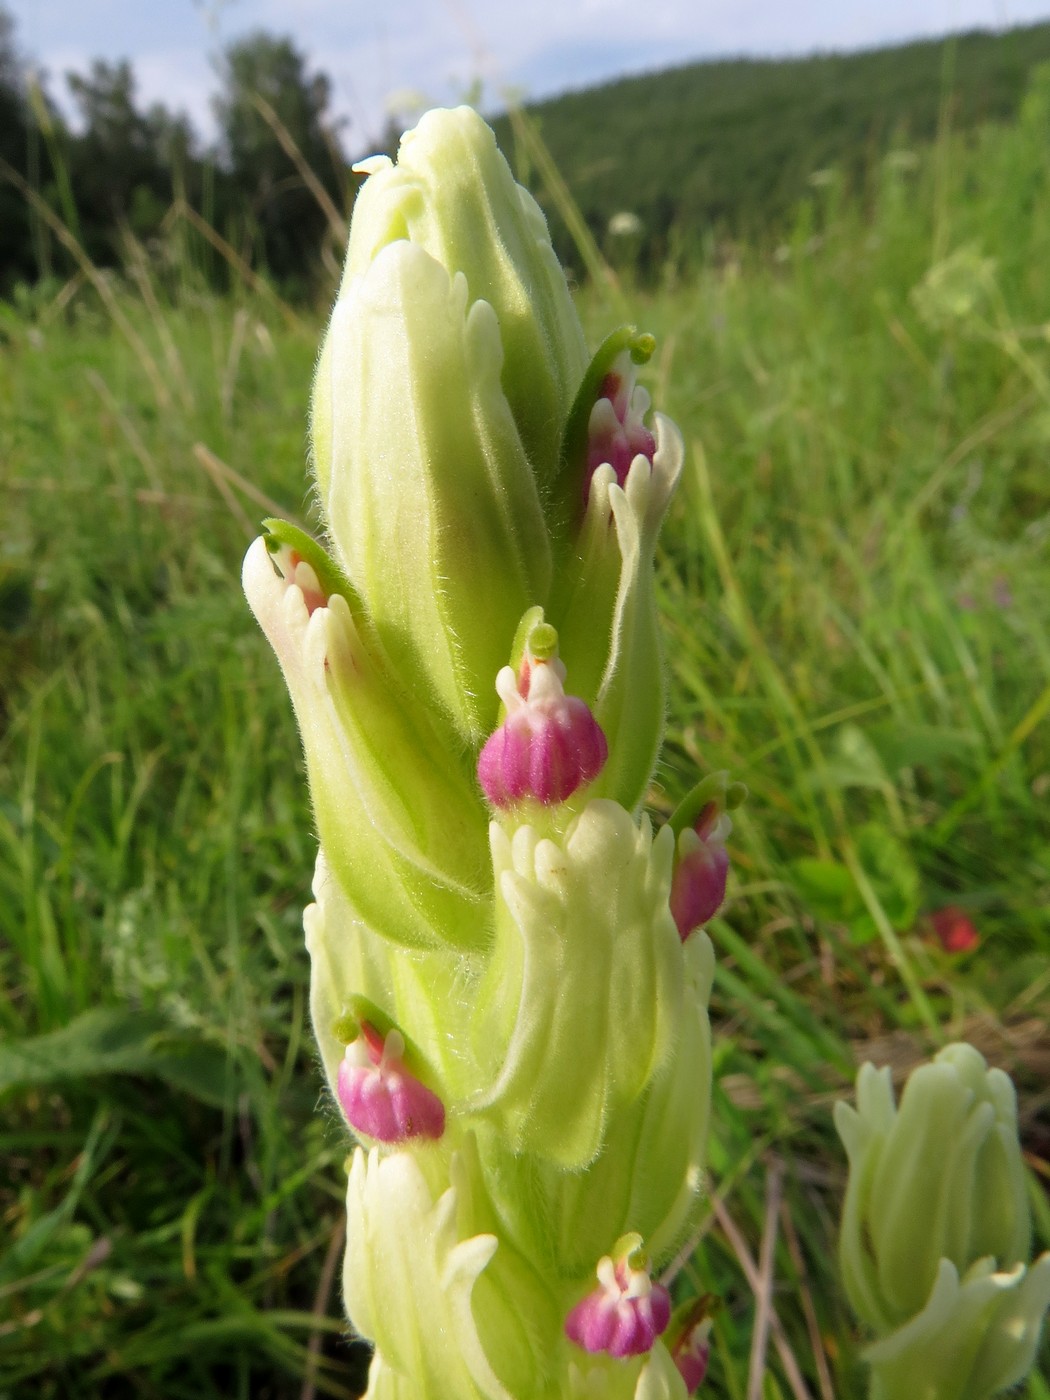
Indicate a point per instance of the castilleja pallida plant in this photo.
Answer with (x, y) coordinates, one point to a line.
(509, 971)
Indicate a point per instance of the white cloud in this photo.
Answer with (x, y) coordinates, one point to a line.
(439, 46)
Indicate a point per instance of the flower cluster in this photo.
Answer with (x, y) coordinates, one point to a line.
(509, 971)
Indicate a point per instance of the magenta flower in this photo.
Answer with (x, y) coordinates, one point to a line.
(616, 432)
(549, 745)
(955, 929)
(626, 1313)
(698, 887)
(691, 1353)
(380, 1098)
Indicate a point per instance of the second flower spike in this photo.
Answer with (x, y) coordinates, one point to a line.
(940, 1177)
(936, 1230)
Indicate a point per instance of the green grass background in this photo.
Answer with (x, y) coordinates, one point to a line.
(855, 590)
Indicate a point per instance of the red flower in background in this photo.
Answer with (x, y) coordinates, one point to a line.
(955, 930)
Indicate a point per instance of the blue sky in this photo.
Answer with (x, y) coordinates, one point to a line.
(378, 52)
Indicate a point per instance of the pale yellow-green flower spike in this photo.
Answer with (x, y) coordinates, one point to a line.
(453, 340)
(509, 1001)
(936, 1231)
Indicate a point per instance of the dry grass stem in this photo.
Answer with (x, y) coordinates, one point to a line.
(738, 1244)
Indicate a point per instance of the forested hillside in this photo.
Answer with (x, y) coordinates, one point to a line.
(709, 150)
(731, 146)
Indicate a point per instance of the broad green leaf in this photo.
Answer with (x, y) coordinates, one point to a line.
(117, 1040)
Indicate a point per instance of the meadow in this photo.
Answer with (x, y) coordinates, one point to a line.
(854, 586)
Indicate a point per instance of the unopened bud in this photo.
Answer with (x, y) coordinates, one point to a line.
(701, 824)
(692, 1355)
(698, 889)
(688, 1339)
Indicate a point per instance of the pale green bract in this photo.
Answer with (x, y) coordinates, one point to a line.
(975, 1338)
(523, 951)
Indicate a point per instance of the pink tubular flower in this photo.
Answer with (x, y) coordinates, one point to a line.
(688, 1339)
(626, 1313)
(698, 887)
(616, 432)
(691, 1353)
(549, 745)
(378, 1095)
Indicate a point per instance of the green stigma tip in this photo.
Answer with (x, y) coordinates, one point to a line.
(642, 348)
(346, 1028)
(543, 641)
